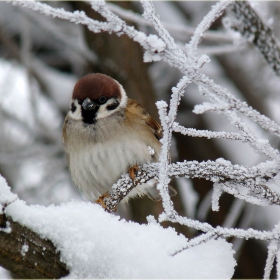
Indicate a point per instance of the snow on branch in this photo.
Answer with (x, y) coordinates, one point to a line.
(207, 133)
(23, 251)
(252, 179)
(152, 43)
(250, 25)
(77, 17)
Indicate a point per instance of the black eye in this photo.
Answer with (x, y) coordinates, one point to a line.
(102, 99)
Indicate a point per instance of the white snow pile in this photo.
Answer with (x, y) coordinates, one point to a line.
(96, 244)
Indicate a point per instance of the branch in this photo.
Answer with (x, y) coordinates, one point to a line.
(273, 249)
(252, 28)
(26, 254)
(207, 133)
(216, 11)
(254, 179)
(208, 88)
(180, 31)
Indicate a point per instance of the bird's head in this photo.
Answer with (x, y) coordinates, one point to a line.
(96, 96)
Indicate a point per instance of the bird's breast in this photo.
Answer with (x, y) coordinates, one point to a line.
(101, 153)
(97, 167)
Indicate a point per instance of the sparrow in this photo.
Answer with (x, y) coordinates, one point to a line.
(106, 134)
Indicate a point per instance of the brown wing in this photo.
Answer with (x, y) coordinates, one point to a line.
(146, 117)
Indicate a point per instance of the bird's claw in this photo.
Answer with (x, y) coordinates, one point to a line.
(100, 200)
(131, 171)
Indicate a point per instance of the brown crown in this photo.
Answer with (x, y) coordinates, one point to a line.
(94, 86)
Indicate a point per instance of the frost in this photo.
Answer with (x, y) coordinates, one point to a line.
(222, 161)
(203, 60)
(206, 106)
(157, 44)
(24, 249)
(6, 196)
(217, 192)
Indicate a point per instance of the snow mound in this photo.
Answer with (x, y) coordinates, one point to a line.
(96, 244)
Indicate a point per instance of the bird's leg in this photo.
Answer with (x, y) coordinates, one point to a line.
(132, 170)
(100, 200)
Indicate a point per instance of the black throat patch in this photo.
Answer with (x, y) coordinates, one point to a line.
(89, 116)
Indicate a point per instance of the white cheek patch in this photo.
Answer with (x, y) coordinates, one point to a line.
(103, 112)
(77, 114)
(123, 97)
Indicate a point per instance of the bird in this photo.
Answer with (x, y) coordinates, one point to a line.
(105, 134)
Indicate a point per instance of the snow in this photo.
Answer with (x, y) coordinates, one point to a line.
(222, 161)
(96, 244)
(4, 273)
(24, 249)
(6, 196)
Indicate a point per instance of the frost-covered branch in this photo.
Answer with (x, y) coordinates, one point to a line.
(253, 179)
(273, 248)
(207, 133)
(218, 94)
(145, 173)
(175, 29)
(197, 240)
(250, 25)
(216, 11)
(154, 45)
(76, 17)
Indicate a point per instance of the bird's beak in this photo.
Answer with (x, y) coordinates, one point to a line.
(88, 104)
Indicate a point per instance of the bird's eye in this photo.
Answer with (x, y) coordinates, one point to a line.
(102, 99)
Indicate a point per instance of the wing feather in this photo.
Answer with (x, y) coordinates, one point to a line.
(151, 122)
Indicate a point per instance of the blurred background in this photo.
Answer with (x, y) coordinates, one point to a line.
(41, 58)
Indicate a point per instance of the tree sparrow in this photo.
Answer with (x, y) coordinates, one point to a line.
(105, 135)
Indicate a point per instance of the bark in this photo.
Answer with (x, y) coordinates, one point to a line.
(41, 259)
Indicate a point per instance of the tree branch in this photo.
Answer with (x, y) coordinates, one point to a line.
(26, 254)
(254, 179)
(251, 27)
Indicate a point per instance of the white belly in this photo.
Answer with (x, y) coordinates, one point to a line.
(97, 168)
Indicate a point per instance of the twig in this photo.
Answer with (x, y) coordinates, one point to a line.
(204, 25)
(175, 29)
(209, 170)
